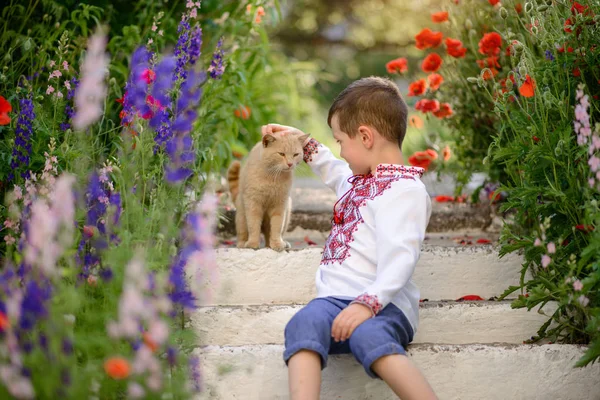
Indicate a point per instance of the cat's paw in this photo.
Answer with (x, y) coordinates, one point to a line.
(278, 245)
(251, 244)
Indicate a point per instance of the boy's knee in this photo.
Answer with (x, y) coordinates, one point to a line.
(305, 320)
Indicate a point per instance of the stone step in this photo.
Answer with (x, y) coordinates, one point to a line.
(265, 276)
(440, 322)
(444, 217)
(456, 372)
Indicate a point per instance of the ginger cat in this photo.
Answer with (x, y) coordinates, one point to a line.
(261, 190)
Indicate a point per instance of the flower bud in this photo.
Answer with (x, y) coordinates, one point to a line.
(542, 8)
(522, 72)
(468, 24)
(503, 13)
(528, 7)
(472, 79)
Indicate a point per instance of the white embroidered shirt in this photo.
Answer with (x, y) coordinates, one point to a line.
(377, 231)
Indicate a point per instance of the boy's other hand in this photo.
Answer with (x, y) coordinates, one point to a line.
(348, 320)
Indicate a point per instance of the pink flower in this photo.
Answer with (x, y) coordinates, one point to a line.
(55, 74)
(537, 242)
(135, 390)
(91, 92)
(577, 285)
(9, 240)
(50, 89)
(546, 260)
(551, 248)
(154, 27)
(68, 85)
(65, 65)
(592, 182)
(52, 63)
(584, 301)
(594, 163)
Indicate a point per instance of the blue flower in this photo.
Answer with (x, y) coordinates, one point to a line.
(549, 55)
(195, 45)
(182, 49)
(216, 68)
(22, 149)
(33, 305)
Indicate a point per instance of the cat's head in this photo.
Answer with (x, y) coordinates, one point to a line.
(282, 152)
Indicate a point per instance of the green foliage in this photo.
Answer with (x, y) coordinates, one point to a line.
(531, 147)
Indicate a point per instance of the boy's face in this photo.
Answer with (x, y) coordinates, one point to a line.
(351, 149)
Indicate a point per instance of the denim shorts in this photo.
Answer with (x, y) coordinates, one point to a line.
(389, 332)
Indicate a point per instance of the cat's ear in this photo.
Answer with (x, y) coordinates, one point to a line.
(268, 138)
(303, 139)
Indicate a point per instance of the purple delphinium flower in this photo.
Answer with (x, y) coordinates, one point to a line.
(180, 146)
(182, 49)
(216, 68)
(163, 84)
(69, 112)
(549, 55)
(195, 377)
(195, 45)
(33, 306)
(23, 132)
(136, 87)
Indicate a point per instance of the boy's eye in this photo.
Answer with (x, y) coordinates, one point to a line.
(282, 154)
(296, 154)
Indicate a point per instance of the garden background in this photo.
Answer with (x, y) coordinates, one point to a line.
(117, 119)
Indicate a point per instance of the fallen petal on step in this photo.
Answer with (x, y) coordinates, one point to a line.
(444, 198)
(484, 241)
(309, 242)
(470, 297)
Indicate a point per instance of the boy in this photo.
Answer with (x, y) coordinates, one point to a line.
(366, 301)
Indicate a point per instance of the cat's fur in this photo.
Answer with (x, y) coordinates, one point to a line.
(261, 190)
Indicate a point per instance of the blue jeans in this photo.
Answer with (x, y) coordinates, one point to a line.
(310, 329)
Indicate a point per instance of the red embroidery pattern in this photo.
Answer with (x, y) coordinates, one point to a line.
(346, 212)
(370, 301)
(310, 148)
(390, 169)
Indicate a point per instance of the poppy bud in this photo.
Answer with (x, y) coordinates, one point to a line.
(503, 13)
(542, 8)
(528, 7)
(468, 24)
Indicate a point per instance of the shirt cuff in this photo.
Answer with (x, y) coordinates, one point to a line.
(311, 148)
(370, 301)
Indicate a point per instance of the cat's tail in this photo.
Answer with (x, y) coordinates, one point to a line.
(233, 178)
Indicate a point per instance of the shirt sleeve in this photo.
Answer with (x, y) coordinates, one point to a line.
(400, 225)
(332, 171)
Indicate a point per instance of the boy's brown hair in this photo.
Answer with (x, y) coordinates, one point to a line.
(372, 101)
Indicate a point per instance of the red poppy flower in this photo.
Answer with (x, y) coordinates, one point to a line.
(5, 108)
(577, 8)
(431, 63)
(494, 2)
(445, 111)
(584, 228)
(489, 74)
(427, 38)
(490, 62)
(417, 88)
(518, 8)
(527, 89)
(490, 44)
(446, 153)
(423, 158)
(576, 72)
(567, 25)
(435, 80)
(427, 105)
(399, 65)
(454, 47)
(439, 17)
(243, 112)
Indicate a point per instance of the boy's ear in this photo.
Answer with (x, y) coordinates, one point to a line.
(268, 138)
(366, 136)
(303, 138)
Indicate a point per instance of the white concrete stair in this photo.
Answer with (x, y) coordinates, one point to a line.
(440, 322)
(467, 350)
(456, 372)
(442, 273)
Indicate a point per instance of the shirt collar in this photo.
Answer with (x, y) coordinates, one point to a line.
(398, 169)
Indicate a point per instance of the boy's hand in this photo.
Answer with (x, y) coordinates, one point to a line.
(272, 129)
(348, 320)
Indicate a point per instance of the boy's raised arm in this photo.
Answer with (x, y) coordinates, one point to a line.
(332, 171)
(400, 226)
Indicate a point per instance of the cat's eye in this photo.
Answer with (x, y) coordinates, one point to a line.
(296, 154)
(282, 154)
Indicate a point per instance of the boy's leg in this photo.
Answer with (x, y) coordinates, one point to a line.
(403, 377)
(379, 343)
(307, 345)
(304, 375)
